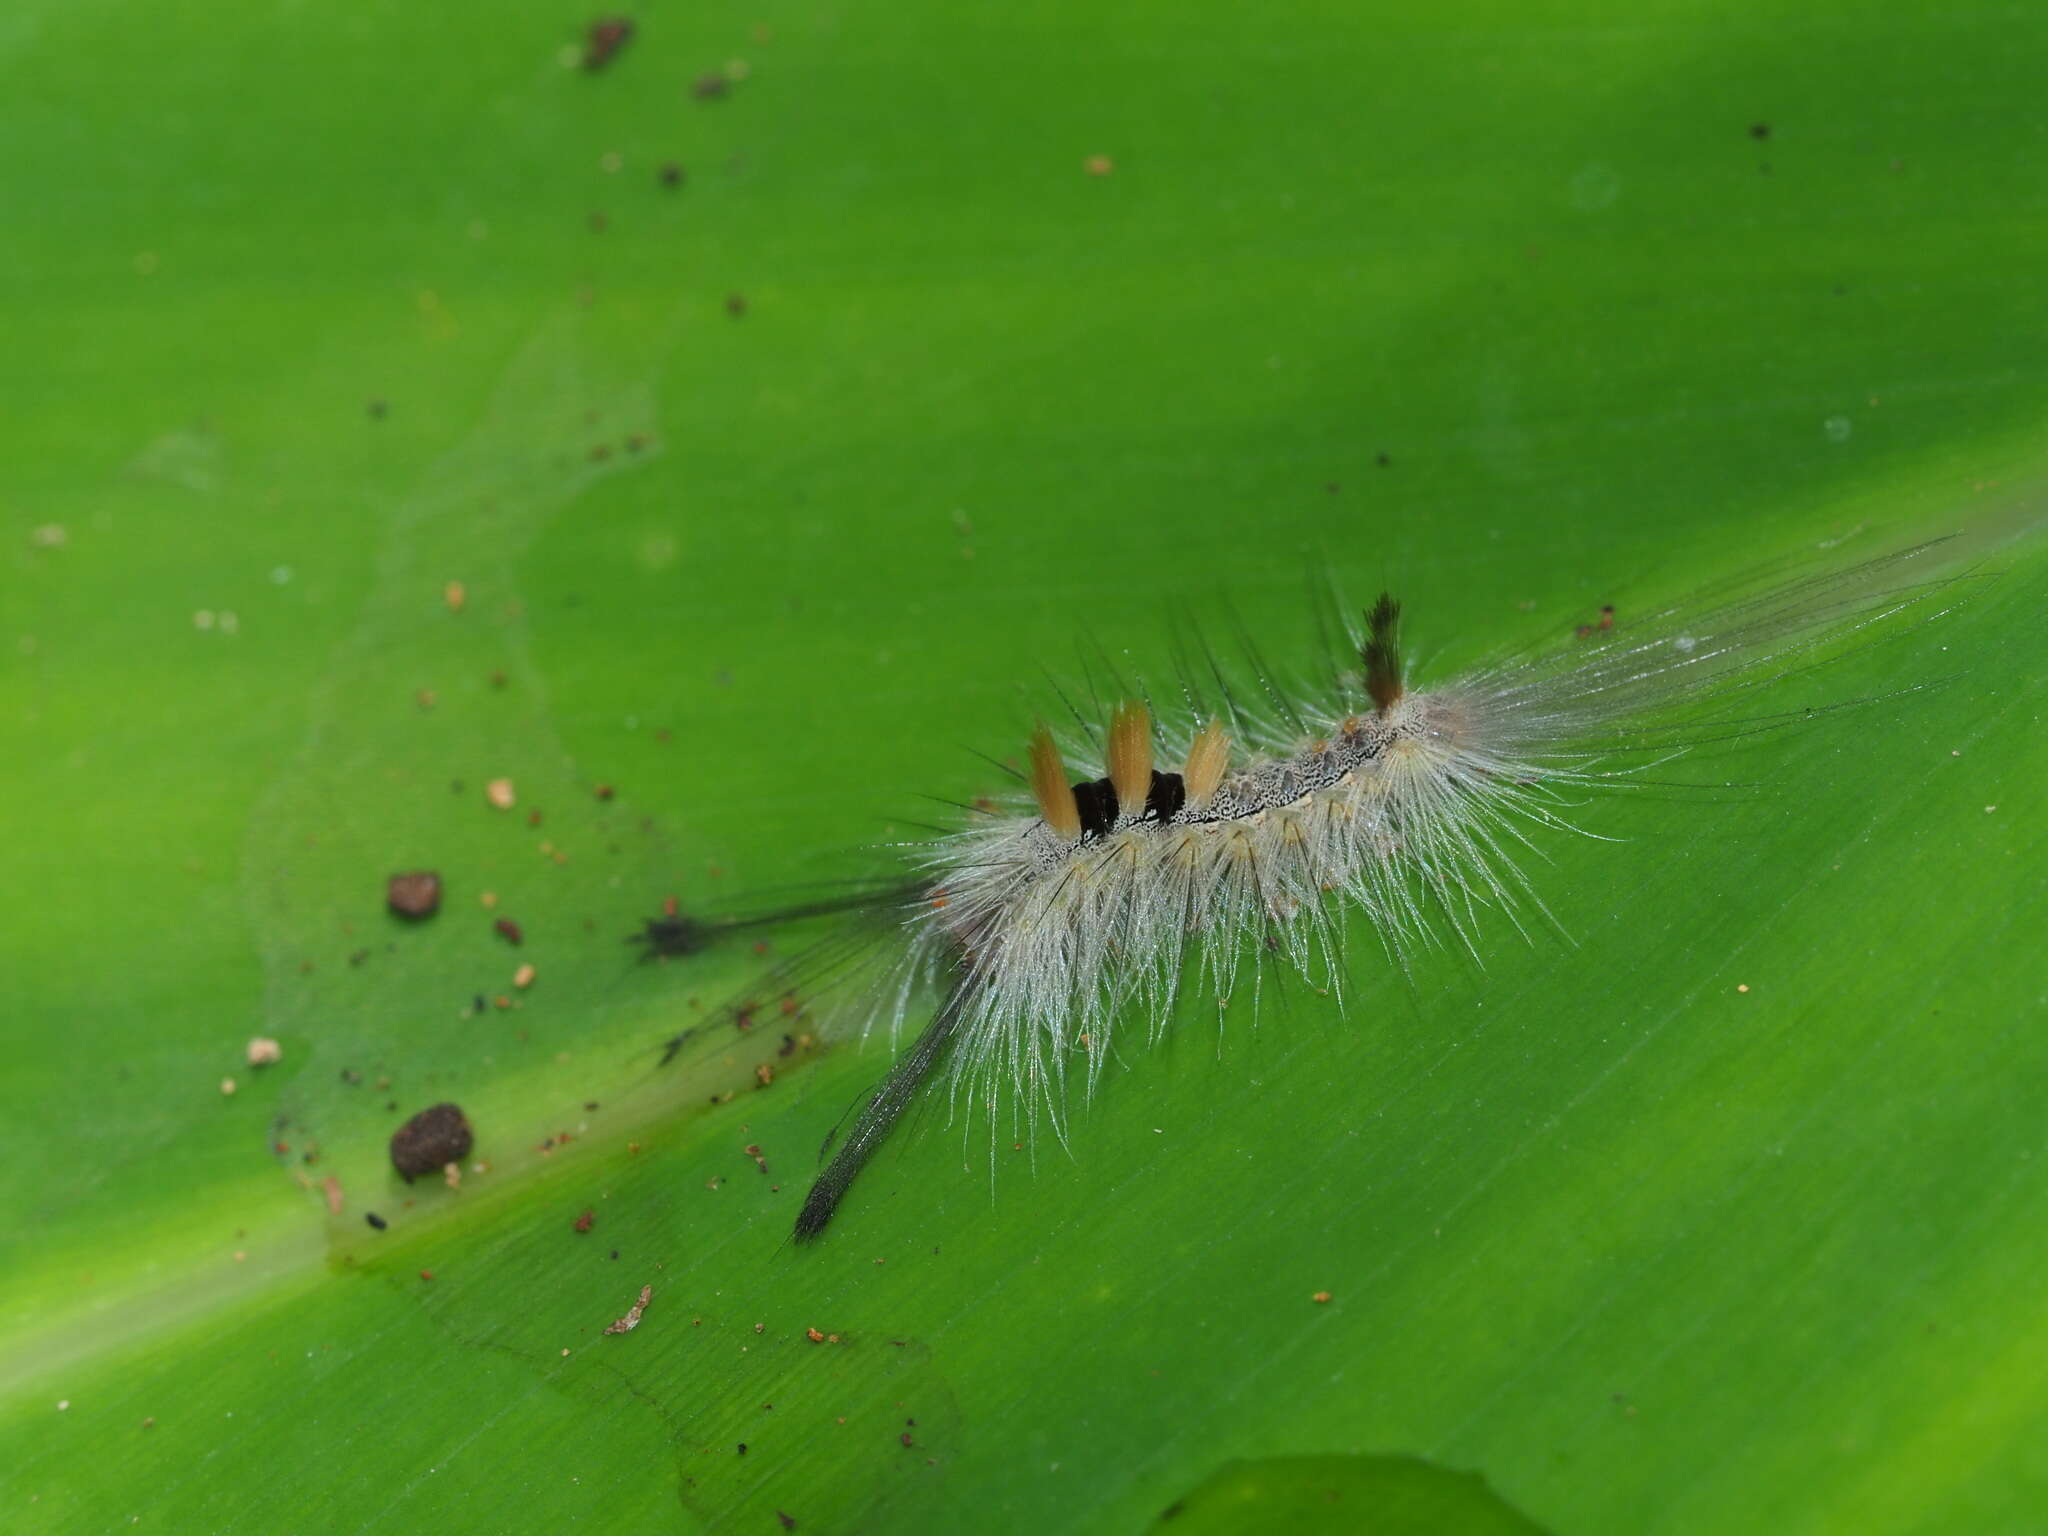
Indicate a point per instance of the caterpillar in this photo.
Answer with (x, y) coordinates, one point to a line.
(1183, 843)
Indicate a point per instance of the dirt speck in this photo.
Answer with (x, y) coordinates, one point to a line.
(431, 1139)
(414, 894)
(631, 1320)
(607, 35)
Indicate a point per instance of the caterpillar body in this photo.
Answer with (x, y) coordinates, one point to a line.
(1183, 846)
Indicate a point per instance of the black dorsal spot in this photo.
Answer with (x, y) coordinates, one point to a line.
(1097, 800)
(1168, 794)
(1099, 807)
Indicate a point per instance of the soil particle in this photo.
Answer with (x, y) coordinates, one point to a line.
(607, 35)
(414, 894)
(430, 1140)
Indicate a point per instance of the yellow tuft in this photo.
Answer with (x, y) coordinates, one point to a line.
(1049, 783)
(1207, 759)
(1130, 757)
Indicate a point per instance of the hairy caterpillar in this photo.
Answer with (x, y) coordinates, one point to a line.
(1179, 845)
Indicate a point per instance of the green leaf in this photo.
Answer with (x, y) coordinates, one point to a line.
(772, 494)
(1393, 1495)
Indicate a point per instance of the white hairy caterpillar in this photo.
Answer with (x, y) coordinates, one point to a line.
(1194, 837)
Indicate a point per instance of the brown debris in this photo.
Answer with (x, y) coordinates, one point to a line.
(430, 1140)
(586, 1221)
(607, 35)
(631, 1320)
(509, 931)
(414, 894)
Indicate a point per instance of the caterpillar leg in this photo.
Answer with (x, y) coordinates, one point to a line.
(877, 1118)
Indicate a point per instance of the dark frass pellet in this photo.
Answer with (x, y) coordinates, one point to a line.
(430, 1141)
(415, 894)
(374, 1220)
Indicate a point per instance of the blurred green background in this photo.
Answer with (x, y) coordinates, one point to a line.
(959, 338)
